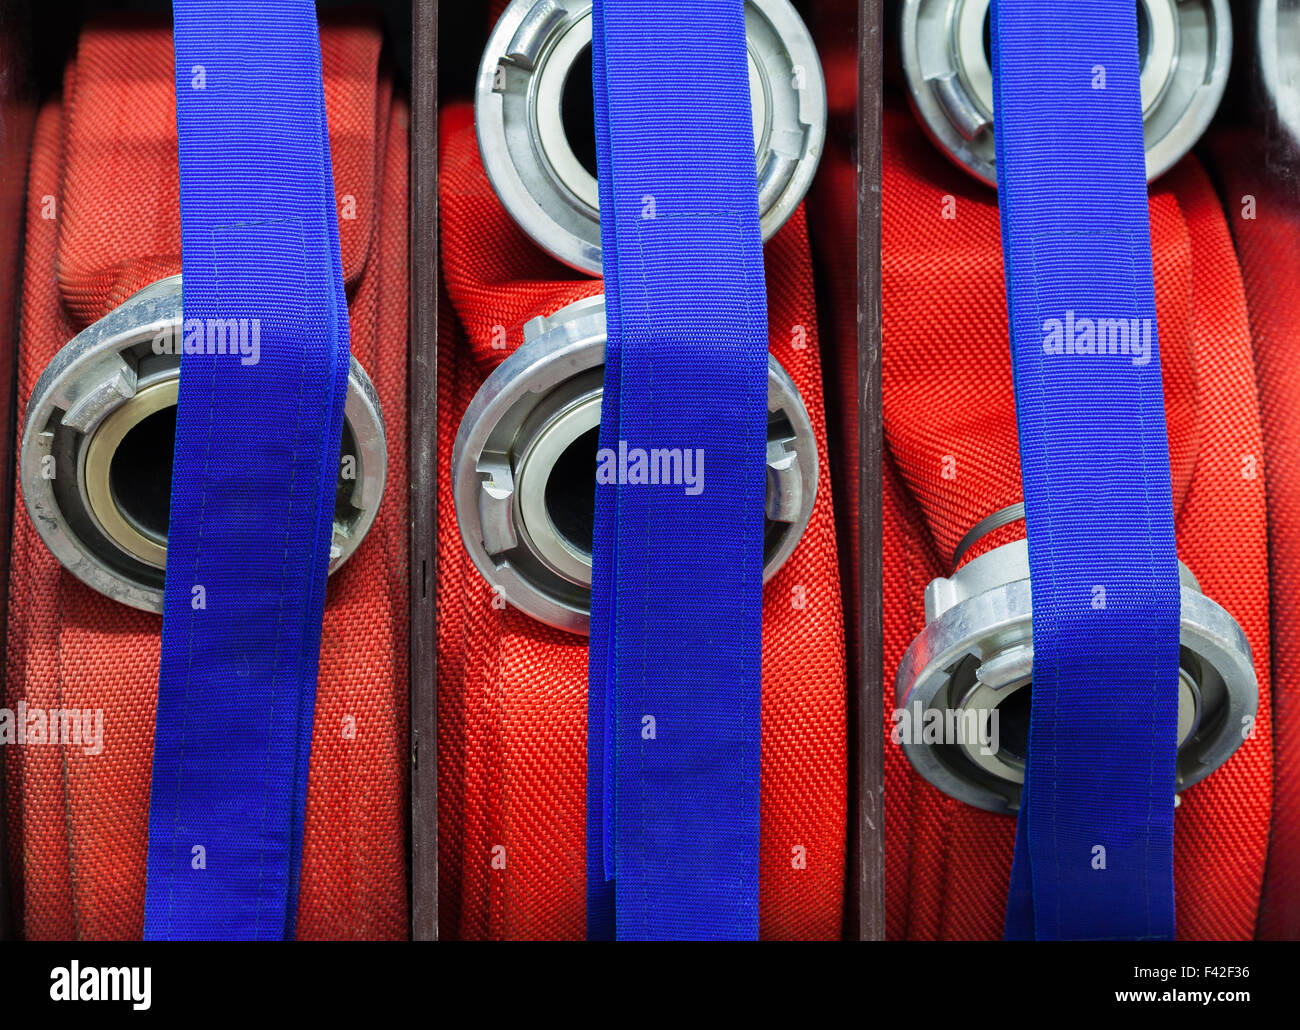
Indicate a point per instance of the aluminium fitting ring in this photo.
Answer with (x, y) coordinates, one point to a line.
(1277, 32)
(105, 407)
(975, 658)
(523, 467)
(1185, 47)
(536, 134)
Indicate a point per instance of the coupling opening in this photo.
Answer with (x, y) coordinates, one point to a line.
(525, 461)
(970, 673)
(127, 470)
(998, 710)
(141, 472)
(1184, 49)
(1143, 31)
(578, 113)
(571, 493)
(535, 123)
(1013, 712)
(554, 503)
(97, 450)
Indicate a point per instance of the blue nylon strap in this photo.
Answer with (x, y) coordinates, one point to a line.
(674, 704)
(1094, 843)
(253, 482)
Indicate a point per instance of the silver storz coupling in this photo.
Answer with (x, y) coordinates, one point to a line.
(1185, 47)
(97, 447)
(963, 687)
(1277, 60)
(524, 467)
(536, 130)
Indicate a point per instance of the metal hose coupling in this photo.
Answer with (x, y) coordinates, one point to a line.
(536, 129)
(1185, 47)
(1277, 65)
(963, 687)
(525, 460)
(97, 442)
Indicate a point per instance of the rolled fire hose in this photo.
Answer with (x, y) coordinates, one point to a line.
(950, 418)
(922, 910)
(97, 388)
(512, 660)
(1257, 169)
(951, 462)
(951, 486)
(1270, 259)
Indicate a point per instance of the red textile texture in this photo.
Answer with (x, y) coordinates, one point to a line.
(1263, 209)
(951, 458)
(512, 716)
(103, 221)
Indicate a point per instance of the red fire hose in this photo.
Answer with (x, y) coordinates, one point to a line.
(512, 692)
(951, 459)
(103, 221)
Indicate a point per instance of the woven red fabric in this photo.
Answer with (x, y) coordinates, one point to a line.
(1264, 213)
(951, 459)
(103, 221)
(513, 692)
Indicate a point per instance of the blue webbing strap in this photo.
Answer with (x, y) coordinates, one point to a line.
(1094, 844)
(674, 707)
(253, 483)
